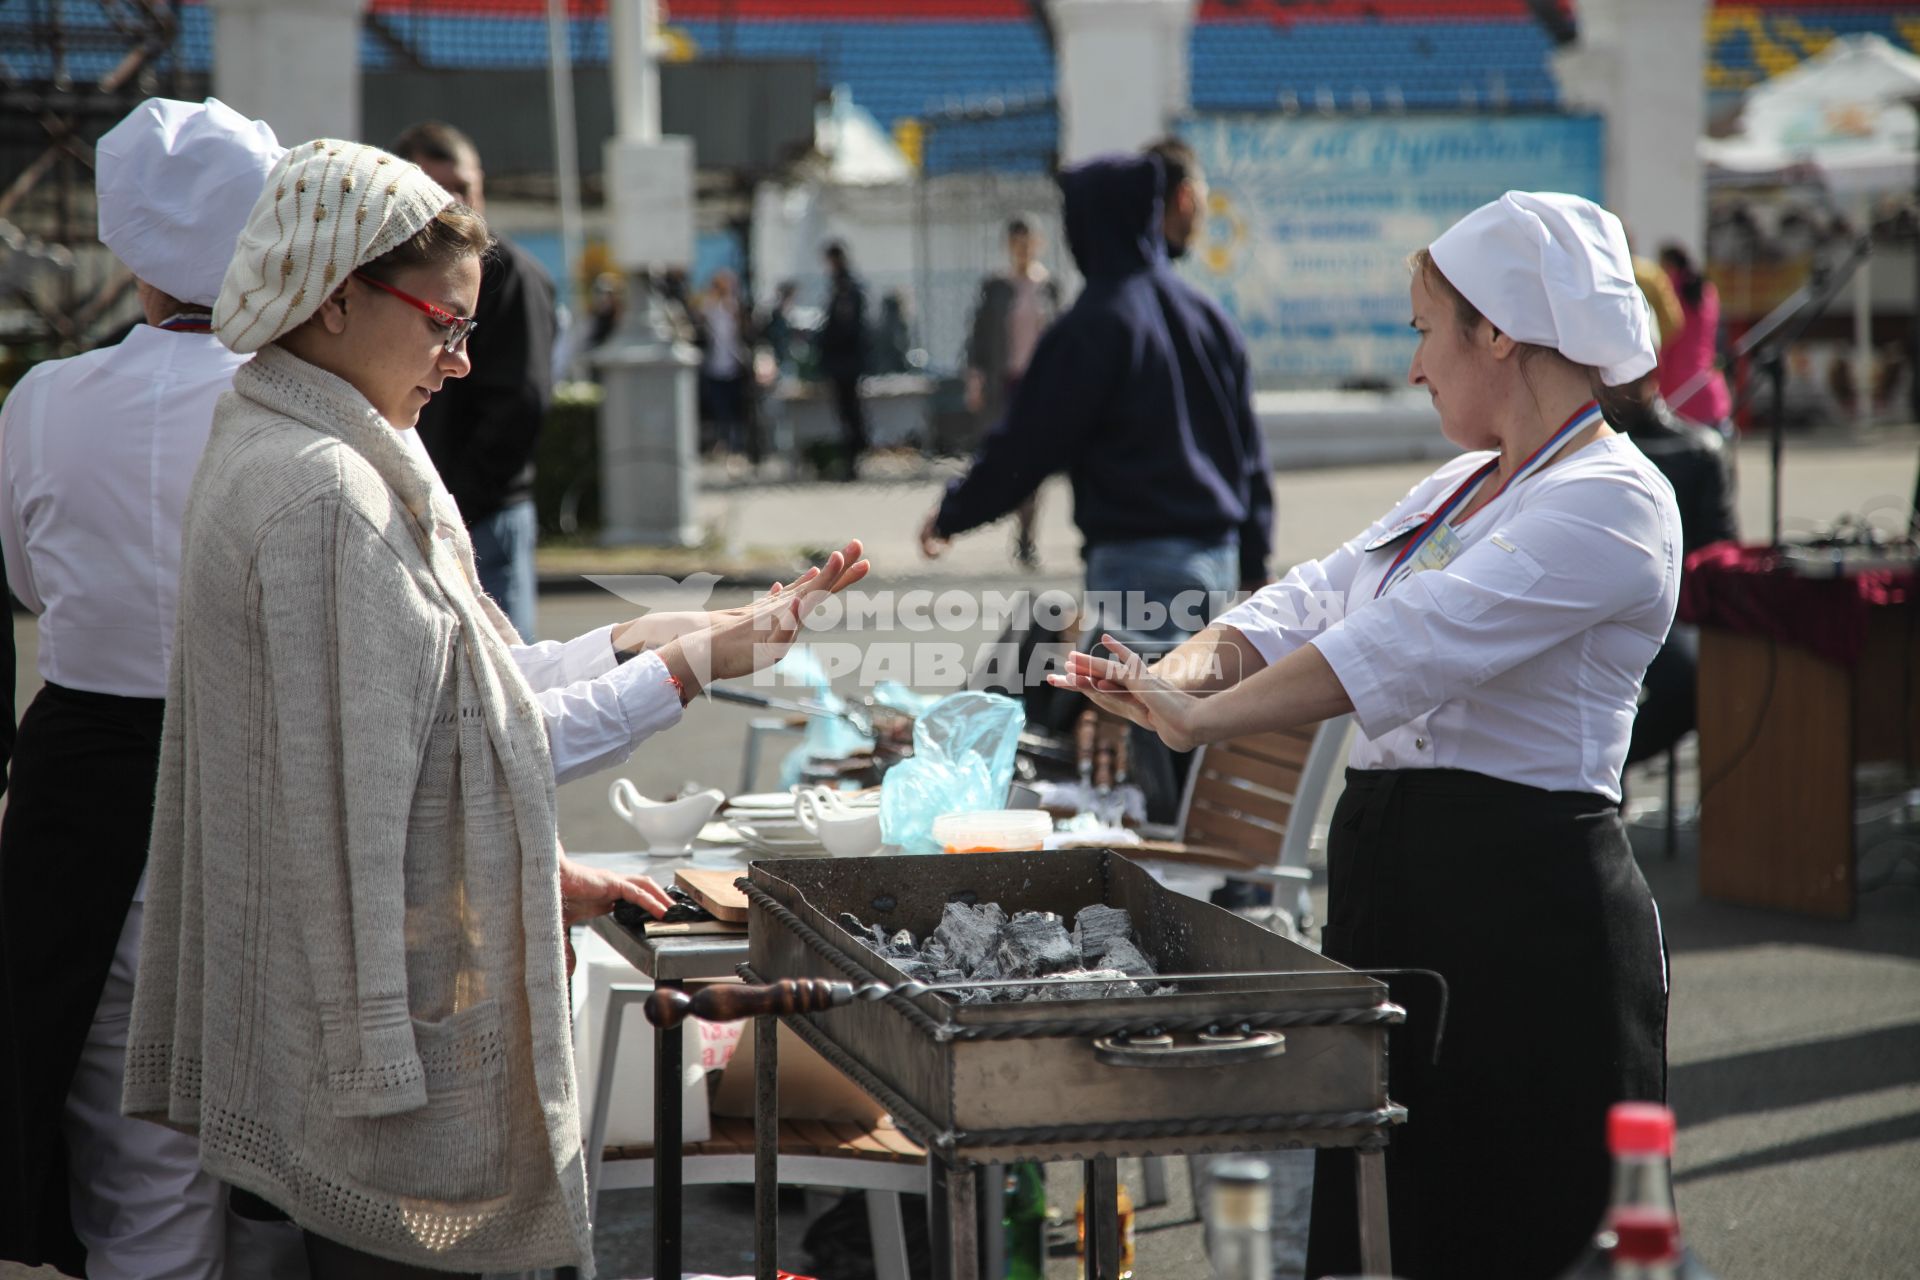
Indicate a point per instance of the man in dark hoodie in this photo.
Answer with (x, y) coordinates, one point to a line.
(1142, 395)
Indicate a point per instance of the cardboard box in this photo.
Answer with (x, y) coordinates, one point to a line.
(810, 1087)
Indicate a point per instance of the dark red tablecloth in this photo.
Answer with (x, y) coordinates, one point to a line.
(1741, 589)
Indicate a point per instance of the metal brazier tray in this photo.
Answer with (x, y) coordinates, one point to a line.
(1291, 1051)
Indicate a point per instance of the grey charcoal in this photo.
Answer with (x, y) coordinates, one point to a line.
(1121, 954)
(903, 941)
(1097, 926)
(968, 933)
(1035, 943)
(990, 970)
(936, 954)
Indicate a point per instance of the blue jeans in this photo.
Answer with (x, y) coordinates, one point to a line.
(1161, 590)
(503, 553)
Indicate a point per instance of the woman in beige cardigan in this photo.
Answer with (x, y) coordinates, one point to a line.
(352, 982)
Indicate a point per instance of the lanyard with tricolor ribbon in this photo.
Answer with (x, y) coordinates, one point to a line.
(1583, 417)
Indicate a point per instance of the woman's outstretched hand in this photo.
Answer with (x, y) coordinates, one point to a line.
(757, 635)
(1124, 686)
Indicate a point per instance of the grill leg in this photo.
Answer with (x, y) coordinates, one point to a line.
(1102, 1192)
(1376, 1252)
(992, 1197)
(951, 1210)
(667, 1046)
(766, 1146)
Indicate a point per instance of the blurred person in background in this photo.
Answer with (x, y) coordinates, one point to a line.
(96, 457)
(1014, 309)
(1186, 195)
(777, 329)
(841, 343)
(1694, 350)
(481, 431)
(1141, 393)
(723, 364)
(893, 335)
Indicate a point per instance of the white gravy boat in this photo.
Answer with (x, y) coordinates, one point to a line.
(668, 826)
(846, 832)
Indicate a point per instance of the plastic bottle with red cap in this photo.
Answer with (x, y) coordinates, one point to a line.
(1639, 1238)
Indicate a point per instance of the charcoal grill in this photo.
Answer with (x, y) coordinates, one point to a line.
(1193, 1071)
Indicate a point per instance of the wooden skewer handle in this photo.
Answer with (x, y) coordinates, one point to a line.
(730, 1002)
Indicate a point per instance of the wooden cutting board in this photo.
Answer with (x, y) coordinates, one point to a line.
(714, 890)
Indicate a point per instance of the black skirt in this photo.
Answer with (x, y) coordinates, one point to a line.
(72, 847)
(1530, 904)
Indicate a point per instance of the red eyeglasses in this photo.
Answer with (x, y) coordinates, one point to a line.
(457, 328)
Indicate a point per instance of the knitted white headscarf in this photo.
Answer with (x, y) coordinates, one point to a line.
(329, 207)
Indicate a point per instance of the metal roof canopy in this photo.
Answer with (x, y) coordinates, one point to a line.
(745, 116)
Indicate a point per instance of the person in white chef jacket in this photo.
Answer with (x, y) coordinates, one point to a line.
(1489, 634)
(96, 456)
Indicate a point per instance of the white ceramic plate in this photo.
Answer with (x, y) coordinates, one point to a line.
(767, 801)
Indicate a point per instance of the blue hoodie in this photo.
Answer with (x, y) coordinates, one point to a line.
(1140, 392)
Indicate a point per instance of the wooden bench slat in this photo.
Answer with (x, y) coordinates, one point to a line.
(1282, 779)
(854, 1138)
(811, 1135)
(1218, 793)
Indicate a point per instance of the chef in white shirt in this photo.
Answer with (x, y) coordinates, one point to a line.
(1489, 635)
(96, 456)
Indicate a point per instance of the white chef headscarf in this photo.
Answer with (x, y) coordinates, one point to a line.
(1553, 270)
(176, 181)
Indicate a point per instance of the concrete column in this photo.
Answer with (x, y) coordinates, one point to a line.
(1121, 72)
(649, 420)
(1642, 65)
(293, 63)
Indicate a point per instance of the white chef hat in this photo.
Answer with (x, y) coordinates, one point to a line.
(175, 182)
(330, 206)
(1553, 270)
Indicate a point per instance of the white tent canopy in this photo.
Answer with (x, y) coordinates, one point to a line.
(1844, 113)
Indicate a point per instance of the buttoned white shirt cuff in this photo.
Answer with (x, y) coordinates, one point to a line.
(554, 664)
(595, 724)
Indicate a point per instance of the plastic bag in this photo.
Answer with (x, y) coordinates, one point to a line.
(827, 737)
(963, 749)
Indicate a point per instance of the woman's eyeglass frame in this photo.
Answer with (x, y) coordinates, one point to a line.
(458, 328)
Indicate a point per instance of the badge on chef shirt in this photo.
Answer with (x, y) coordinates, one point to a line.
(1439, 550)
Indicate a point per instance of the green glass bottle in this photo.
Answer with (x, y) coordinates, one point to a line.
(1026, 1221)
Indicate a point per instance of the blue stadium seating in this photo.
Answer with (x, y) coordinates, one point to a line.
(937, 70)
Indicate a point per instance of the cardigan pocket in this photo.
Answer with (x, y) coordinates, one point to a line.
(452, 1149)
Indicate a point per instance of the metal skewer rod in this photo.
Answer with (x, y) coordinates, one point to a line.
(668, 1007)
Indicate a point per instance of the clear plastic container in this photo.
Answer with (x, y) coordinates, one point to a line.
(992, 831)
